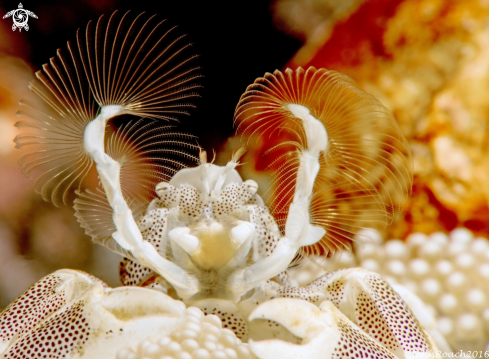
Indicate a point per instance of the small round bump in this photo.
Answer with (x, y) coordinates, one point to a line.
(218, 354)
(443, 268)
(430, 289)
(231, 353)
(465, 262)
(419, 268)
(396, 268)
(469, 327)
(201, 354)
(195, 312)
(209, 338)
(431, 251)
(209, 345)
(448, 304)
(189, 334)
(193, 326)
(475, 299)
(189, 345)
(371, 265)
(440, 238)
(243, 352)
(445, 326)
(396, 249)
(456, 283)
(183, 355)
(461, 235)
(213, 320)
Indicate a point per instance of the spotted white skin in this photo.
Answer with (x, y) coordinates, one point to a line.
(70, 314)
(369, 302)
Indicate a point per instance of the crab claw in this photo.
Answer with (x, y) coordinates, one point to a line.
(302, 319)
(325, 332)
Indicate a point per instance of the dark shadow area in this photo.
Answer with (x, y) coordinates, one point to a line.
(236, 42)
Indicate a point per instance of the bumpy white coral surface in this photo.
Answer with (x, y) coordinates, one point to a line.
(200, 337)
(448, 272)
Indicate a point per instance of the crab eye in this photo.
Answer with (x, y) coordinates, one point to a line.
(252, 186)
(162, 188)
(365, 173)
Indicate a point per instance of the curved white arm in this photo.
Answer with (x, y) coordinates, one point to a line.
(128, 235)
(299, 231)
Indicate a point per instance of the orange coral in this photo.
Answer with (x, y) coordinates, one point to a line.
(427, 61)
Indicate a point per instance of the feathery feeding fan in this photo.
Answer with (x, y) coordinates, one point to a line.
(139, 63)
(365, 173)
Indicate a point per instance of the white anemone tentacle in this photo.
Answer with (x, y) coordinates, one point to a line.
(128, 235)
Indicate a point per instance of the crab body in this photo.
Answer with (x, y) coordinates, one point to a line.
(210, 223)
(202, 235)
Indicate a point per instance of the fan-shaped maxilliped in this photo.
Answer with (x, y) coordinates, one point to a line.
(146, 153)
(139, 63)
(365, 174)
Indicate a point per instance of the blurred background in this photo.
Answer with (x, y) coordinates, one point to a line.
(426, 60)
